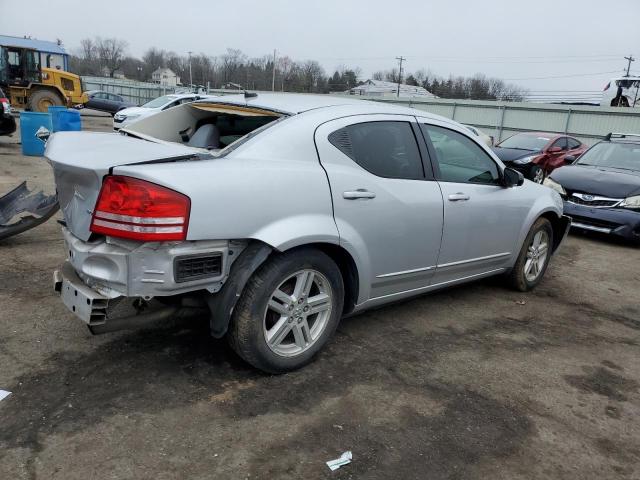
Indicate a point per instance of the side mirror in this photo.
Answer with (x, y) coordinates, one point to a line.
(512, 178)
(554, 150)
(569, 159)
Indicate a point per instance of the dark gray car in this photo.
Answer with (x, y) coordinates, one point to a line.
(106, 102)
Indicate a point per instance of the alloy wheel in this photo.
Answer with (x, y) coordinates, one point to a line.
(297, 312)
(539, 176)
(537, 254)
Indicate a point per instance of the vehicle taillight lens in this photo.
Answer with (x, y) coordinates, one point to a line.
(131, 208)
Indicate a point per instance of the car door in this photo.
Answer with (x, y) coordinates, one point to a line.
(482, 219)
(387, 207)
(555, 158)
(98, 101)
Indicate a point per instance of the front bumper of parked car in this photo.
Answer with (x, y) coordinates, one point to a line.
(620, 222)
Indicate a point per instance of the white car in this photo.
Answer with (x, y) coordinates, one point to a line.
(133, 114)
(483, 137)
(621, 92)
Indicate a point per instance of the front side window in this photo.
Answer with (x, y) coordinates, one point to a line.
(460, 159)
(385, 149)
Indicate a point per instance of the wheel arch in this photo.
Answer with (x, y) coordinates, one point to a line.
(559, 224)
(347, 266)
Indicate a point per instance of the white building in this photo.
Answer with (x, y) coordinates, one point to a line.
(165, 76)
(379, 88)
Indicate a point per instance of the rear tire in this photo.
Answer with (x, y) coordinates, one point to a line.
(41, 100)
(534, 257)
(288, 311)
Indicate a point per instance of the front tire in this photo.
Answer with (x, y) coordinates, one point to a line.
(536, 174)
(288, 311)
(533, 258)
(41, 100)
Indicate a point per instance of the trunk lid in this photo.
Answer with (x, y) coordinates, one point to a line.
(80, 160)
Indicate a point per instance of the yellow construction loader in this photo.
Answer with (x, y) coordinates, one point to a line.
(33, 87)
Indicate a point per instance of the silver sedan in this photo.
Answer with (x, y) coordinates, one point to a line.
(275, 215)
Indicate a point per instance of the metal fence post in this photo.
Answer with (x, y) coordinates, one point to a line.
(453, 113)
(504, 109)
(566, 125)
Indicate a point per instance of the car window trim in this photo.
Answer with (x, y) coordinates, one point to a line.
(436, 165)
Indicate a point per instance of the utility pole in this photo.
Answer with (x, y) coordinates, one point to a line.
(400, 59)
(190, 75)
(273, 76)
(629, 60)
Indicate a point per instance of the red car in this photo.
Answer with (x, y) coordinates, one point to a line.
(537, 154)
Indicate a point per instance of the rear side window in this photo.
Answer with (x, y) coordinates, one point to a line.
(385, 149)
(561, 142)
(573, 143)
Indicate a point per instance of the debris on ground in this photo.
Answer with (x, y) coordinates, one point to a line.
(22, 210)
(344, 459)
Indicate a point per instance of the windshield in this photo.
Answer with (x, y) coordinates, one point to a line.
(525, 142)
(158, 102)
(615, 155)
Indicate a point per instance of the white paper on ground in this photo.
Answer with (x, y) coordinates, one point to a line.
(344, 459)
(4, 394)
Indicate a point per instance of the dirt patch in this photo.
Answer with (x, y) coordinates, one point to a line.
(603, 382)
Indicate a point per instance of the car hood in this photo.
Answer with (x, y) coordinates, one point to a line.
(604, 181)
(137, 111)
(511, 154)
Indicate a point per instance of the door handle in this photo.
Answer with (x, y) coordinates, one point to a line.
(357, 194)
(459, 197)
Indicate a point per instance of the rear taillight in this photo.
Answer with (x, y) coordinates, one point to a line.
(131, 208)
(5, 104)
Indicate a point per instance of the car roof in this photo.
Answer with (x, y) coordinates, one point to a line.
(295, 103)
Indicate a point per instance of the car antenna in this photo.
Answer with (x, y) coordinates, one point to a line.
(250, 94)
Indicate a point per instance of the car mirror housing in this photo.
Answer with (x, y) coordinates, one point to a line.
(512, 178)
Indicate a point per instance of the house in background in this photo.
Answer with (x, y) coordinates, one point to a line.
(165, 76)
(51, 54)
(379, 88)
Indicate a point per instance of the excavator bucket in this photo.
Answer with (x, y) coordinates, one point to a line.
(22, 210)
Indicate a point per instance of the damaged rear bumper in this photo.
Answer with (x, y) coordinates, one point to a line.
(114, 284)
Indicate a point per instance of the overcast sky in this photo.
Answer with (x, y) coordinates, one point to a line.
(511, 39)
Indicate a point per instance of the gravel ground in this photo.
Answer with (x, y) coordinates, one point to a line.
(474, 382)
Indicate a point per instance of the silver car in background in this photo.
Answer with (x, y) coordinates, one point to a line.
(278, 214)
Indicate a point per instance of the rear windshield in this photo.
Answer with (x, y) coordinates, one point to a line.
(625, 156)
(525, 142)
(158, 102)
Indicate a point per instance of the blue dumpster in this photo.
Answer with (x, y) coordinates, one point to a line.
(69, 121)
(30, 122)
(55, 117)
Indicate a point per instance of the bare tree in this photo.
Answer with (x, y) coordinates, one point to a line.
(111, 52)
